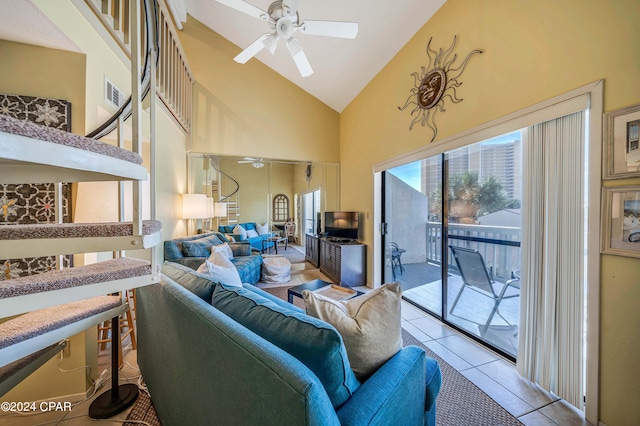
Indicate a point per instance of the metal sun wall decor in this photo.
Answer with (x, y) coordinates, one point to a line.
(437, 81)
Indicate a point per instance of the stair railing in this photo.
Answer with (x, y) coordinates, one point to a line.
(174, 79)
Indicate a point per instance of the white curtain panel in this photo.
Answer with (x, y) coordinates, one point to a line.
(553, 252)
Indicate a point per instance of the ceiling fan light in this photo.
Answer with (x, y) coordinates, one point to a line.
(257, 164)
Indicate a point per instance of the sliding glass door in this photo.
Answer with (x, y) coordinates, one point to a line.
(413, 231)
(451, 237)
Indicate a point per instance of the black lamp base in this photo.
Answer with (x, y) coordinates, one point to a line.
(111, 403)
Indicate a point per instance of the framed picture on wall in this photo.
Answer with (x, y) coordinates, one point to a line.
(622, 147)
(621, 221)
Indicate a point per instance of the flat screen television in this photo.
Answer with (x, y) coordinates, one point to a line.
(341, 224)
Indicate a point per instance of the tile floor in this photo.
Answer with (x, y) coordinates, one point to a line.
(493, 374)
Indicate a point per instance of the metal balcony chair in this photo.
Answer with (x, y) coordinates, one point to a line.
(475, 275)
(395, 257)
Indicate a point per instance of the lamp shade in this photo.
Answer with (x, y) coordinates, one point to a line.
(219, 209)
(194, 206)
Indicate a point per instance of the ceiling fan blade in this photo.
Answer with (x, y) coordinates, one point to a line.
(246, 8)
(271, 42)
(252, 50)
(330, 28)
(299, 57)
(292, 5)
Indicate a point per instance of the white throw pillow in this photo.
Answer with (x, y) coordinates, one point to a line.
(251, 233)
(222, 270)
(239, 230)
(262, 229)
(370, 325)
(224, 249)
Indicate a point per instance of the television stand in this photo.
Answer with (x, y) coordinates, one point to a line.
(343, 262)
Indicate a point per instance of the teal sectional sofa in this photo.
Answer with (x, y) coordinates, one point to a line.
(256, 242)
(194, 250)
(214, 354)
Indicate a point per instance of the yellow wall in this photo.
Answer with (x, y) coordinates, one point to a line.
(532, 51)
(38, 71)
(249, 110)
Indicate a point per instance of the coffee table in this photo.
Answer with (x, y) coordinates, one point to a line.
(275, 241)
(311, 285)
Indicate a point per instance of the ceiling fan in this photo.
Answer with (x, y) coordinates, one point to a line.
(282, 16)
(258, 163)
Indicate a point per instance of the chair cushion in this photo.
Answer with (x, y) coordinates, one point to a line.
(199, 284)
(315, 343)
(369, 324)
(200, 247)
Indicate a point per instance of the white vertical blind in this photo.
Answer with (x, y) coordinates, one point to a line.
(553, 250)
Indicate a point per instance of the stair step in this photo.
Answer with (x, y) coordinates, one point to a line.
(34, 154)
(33, 331)
(18, 241)
(14, 373)
(32, 292)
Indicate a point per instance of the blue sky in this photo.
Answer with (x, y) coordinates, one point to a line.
(410, 173)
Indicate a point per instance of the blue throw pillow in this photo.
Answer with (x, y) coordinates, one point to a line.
(200, 247)
(313, 342)
(199, 284)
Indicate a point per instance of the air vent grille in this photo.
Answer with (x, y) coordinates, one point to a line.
(113, 95)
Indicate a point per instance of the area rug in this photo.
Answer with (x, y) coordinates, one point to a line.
(291, 253)
(460, 402)
(143, 411)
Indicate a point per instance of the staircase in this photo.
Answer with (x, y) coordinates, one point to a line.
(226, 189)
(42, 311)
(56, 305)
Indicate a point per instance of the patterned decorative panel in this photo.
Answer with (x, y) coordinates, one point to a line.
(54, 113)
(33, 203)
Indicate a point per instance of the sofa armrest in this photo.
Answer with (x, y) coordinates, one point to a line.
(395, 391)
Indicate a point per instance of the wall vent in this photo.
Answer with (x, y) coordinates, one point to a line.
(112, 95)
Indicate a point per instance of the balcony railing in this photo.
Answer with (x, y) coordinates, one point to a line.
(499, 246)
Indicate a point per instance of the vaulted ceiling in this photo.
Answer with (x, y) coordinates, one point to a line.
(342, 67)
